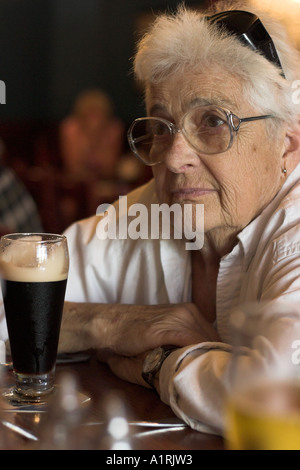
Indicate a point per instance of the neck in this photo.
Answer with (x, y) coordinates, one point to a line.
(218, 243)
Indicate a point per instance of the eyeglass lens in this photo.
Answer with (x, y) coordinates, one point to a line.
(205, 128)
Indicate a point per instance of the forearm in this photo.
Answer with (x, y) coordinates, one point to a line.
(131, 329)
(91, 325)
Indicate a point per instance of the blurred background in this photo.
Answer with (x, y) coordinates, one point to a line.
(53, 131)
(70, 98)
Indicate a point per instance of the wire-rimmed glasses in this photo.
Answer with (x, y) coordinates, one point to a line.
(208, 129)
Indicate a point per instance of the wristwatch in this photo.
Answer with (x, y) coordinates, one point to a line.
(153, 362)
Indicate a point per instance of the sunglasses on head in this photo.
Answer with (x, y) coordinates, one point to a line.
(248, 28)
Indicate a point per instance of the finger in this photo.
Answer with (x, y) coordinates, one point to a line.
(127, 368)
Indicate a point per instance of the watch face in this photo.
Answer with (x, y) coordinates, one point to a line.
(152, 360)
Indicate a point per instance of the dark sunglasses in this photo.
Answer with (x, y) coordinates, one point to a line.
(248, 28)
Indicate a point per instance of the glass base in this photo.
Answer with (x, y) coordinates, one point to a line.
(30, 388)
(16, 399)
(12, 401)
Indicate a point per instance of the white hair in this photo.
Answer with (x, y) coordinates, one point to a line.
(185, 40)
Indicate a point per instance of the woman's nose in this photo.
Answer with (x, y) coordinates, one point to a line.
(180, 157)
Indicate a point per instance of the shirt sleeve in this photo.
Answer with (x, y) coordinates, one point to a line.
(196, 381)
(193, 383)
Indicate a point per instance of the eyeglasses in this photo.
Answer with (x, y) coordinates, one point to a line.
(208, 129)
(248, 28)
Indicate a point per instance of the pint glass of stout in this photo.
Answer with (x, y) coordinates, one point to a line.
(34, 270)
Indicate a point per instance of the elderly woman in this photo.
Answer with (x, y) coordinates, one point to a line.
(221, 131)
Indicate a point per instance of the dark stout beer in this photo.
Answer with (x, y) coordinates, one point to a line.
(34, 270)
(33, 313)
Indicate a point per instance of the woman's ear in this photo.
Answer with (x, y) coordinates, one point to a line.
(291, 155)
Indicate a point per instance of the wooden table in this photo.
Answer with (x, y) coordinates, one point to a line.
(96, 382)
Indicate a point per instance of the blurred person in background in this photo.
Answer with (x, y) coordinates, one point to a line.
(92, 138)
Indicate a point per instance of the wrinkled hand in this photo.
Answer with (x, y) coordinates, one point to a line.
(133, 332)
(129, 330)
(124, 334)
(178, 325)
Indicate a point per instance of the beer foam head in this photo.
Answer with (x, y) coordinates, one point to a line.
(27, 260)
